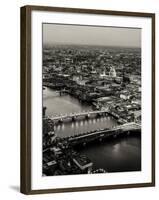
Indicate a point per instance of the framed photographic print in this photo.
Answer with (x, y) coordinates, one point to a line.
(87, 99)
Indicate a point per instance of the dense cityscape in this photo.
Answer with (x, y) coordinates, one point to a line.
(108, 80)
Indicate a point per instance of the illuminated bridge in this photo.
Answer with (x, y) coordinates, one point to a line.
(125, 129)
(74, 116)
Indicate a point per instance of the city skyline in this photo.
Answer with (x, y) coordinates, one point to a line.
(58, 34)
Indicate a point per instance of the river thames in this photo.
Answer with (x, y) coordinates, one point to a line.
(118, 155)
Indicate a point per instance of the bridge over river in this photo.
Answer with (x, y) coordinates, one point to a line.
(101, 134)
(87, 114)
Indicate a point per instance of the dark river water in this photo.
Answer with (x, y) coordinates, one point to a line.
(118, 155)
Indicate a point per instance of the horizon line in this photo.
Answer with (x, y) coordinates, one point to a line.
(95, 45)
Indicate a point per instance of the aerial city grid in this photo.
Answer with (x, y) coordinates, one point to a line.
(91, 107)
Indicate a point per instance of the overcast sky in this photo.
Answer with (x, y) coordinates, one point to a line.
(89, 35)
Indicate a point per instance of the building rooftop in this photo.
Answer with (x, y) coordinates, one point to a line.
(82, 162)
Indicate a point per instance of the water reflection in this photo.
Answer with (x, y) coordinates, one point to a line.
(119, 155)
(57, 104)
(71, 128)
